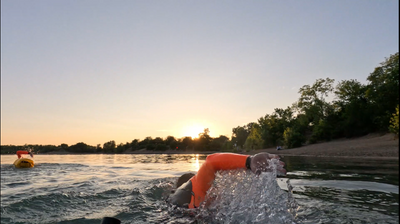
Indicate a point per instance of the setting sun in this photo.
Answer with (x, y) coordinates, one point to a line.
(192, 131)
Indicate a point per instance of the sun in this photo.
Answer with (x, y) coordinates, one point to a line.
(192, 131)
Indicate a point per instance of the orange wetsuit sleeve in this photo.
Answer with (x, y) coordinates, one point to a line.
(202, 181)
(20, 152)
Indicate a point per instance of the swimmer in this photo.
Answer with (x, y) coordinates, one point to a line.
(192, 188)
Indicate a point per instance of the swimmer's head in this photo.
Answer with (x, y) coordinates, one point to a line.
(181, 195)
(183, 179)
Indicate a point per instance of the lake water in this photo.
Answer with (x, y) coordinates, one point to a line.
(133, 188)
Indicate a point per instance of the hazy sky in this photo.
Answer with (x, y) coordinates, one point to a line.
(93, 70)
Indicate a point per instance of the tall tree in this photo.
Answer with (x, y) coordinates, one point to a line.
(353, 109)
(239, 135)
(219, 143)
(312, 99)
(204, 140)
(394, 123)
(109, 147)
(313, 104)
(171, 142)
(186, 143)
(383, 90)
(254, 140)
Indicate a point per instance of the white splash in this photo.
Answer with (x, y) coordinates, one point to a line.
(240, 196)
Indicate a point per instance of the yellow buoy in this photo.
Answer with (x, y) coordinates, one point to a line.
(24, 163)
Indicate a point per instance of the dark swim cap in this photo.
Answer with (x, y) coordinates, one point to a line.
(183, 193)
(183, 179)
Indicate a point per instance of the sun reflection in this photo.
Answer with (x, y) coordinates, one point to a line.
(196, 163)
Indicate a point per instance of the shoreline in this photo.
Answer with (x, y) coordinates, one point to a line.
(372, 146)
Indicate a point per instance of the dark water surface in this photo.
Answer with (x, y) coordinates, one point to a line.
(133, 188)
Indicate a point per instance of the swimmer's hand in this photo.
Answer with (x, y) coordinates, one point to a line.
(261, 162)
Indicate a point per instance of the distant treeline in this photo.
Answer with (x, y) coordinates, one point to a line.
(356, 110)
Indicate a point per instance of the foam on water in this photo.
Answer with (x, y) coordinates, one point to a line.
(239, 196)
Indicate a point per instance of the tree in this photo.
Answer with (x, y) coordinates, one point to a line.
(143, 144)
(204, 140)
(312, 99)
(135, 144)
(313, 104)
(383, 91)
(272, 126)
(254, 140)
(394, 122)
(348, 91)
(239, 135)
(64, 146)
(81, 148)
(217, 144)
(353, 109)
(321, 131)
(120, 148)
(293, 138)
(186, 143)
(171, 142)
(161, 147)
(109, 147)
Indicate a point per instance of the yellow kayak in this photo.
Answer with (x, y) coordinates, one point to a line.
(24, 163)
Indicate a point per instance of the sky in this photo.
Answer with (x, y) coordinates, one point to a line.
(93, 71)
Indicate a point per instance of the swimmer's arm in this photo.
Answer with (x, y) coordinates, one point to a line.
(228, 161)
(218, 161)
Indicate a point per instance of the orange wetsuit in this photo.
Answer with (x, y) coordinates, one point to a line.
(193, 192)
(19, 153)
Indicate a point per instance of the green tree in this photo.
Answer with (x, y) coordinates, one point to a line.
(218, 144)
(109, 147)
(158, 140)
(81, 148)
(293, 138)
(321, 131)
(383, 91)
(239, 135)
(394, 122)
(312, 98)
(267, 130)
(352, 108)
(98, 148)
(161, 147)
(120, 148)
(204, 140)
(143, 144)
(171, 142)
(135, 144)
(272, 126)
(348, 91)
(313, 104)
(254, 140)
(186, 143)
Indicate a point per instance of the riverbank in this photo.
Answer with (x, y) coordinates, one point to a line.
(369, 146)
